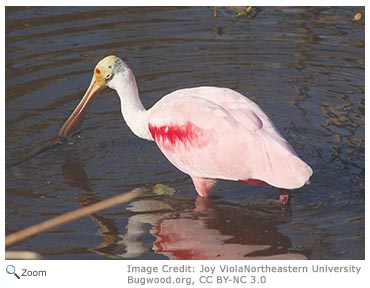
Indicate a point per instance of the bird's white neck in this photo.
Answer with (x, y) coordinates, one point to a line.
(133, 111)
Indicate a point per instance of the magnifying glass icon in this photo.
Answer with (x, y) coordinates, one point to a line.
(10, 269)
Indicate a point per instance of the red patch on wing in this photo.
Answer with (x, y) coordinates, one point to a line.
(255, 182)
(173, 134)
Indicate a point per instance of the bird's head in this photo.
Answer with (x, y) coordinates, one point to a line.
(104, 73)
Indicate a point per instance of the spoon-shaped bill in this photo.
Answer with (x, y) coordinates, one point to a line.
(75, 120)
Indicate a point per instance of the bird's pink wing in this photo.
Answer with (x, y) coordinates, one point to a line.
(218, 133)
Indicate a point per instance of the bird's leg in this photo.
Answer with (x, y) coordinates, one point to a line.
(203, 185)
(284, 197)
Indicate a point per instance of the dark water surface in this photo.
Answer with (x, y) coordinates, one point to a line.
(304, 66)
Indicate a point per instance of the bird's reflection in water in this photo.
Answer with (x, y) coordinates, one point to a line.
(183, 229)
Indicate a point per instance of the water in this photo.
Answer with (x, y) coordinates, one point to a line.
(303, 66)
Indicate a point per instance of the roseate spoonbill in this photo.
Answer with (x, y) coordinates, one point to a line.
(209, 133)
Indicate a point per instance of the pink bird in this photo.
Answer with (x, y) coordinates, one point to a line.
(209, 133)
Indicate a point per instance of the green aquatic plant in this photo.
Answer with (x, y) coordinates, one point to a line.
(239, 11)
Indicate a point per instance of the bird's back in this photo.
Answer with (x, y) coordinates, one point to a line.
(218, 133)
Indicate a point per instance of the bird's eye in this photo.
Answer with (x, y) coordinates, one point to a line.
(108, 76)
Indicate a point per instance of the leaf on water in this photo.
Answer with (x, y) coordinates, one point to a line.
(242, 11)
(161, 189)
